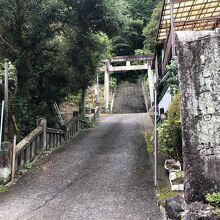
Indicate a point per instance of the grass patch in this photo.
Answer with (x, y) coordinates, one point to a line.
(3, 189)
(149, 139)
(165, 193)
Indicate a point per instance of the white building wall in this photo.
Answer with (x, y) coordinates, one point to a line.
(166, 101)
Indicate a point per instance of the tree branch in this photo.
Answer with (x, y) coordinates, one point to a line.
(8, 44)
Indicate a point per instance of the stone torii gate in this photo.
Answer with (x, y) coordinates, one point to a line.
(108, 69)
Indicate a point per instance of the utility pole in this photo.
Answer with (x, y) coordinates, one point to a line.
(106, 91)
(6, 100)
(155, 136)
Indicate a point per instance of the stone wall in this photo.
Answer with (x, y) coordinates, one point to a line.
(199, 74)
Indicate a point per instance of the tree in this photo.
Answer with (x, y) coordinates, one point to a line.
(84, 59)
(51, 42)
(131, 38)
(150, 30)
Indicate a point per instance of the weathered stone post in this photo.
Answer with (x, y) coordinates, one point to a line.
(151, 82)
(199, 74)
(106, 91)
(6, 103)
(43, 123)
(76, 120)
(5, 162)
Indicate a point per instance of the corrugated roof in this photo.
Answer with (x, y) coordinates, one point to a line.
(189, 15)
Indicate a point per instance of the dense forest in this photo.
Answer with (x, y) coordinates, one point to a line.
(56, 46)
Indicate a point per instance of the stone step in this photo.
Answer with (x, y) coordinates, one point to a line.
(129, 98)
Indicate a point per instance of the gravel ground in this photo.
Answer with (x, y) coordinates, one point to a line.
(103, 174)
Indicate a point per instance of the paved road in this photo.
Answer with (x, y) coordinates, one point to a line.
(103, 174)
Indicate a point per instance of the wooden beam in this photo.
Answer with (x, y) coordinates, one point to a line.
(172, 30)
(188, 6)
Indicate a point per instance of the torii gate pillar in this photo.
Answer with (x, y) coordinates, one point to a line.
(106, 90)
(151, 82)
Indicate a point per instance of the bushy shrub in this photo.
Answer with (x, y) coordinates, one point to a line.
(169, 132)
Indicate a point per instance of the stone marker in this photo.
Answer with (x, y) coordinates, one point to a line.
(199, 74)
(5, 162)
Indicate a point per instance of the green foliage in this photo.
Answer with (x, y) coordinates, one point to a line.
(56, 47)
(112, 84)
(150, 30)
(164, 194)
(213, 198)
(171, 77)
(12, 77)
(149, 138)
(180, 174)
(142, 9)
(131, 38)
(169, 132)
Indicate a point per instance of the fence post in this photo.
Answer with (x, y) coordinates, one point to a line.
(43, 123)
(5, 162)
(76, 115)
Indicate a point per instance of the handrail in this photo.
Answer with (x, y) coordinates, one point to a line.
(57, 131)
(29, 138)
(42, 139)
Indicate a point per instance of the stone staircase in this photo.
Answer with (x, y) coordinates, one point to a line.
(129, 98)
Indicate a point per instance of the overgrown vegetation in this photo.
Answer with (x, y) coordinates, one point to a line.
(150, 30)
(171, 77)
(213, 198)
(149, 138)
(169, 132)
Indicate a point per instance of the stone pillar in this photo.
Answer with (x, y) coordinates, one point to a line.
(106, 91)
(151, 82)
(199, 74)
(43, 123)
(5, 162)
(6, 103)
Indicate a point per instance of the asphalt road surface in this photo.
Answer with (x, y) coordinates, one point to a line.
(103, 174)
